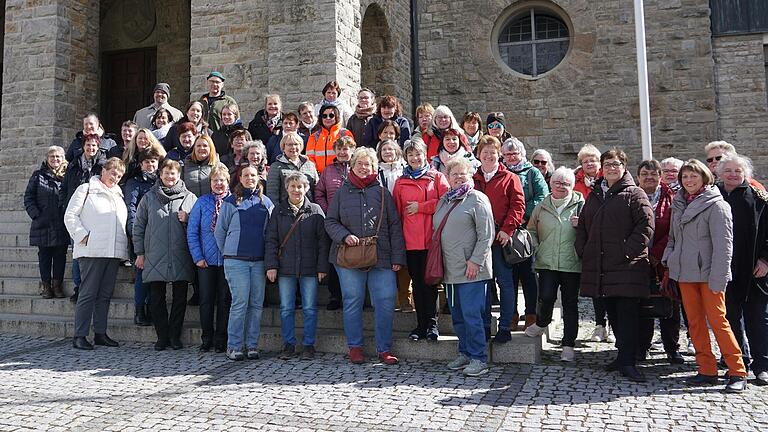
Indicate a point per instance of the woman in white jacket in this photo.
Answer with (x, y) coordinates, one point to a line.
(95, 218)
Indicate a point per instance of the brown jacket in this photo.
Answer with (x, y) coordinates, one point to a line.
(612, 241)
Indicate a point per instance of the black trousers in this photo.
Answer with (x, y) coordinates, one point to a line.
(334, 287)
(168, 327)
(600, 312)
(624, 315)
(52, 261)
(424, 296)
(670, 331)
(568, 283)
(215, 297)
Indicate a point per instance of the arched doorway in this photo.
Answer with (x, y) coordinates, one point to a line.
(377, 62)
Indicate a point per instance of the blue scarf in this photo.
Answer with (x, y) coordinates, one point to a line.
(460, 191)
(410, 173)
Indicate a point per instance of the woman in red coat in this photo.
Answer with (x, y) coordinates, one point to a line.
(416, 194)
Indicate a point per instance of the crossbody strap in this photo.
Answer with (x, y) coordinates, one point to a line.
(288, 236)
(439, 231)
(381, 211)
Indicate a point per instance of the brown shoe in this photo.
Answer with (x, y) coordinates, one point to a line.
(515, 322)
(530, 319)
(45, 290)
(58, 288)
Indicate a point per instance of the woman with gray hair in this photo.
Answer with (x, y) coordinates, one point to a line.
(296, 256)
(552, 227)
(256, 156)
(669, 169)
(362, 208)
(542, 160)
(466, 240)
(535, 189)
(746, 296)
(47, 232)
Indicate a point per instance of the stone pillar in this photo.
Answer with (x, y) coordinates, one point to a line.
(49, 81)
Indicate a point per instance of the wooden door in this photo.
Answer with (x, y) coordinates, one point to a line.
(127, 78)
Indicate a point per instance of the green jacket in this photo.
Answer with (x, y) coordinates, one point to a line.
(554, 236)
(534, 186)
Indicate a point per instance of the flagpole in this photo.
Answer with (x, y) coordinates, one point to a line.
(642, 81)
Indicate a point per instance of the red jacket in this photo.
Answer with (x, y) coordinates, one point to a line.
(505, 192)
(427, 190)
(662, 216)
(580, 186)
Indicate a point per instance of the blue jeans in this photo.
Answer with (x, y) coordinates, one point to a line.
(523, 272)
(382, 286)
(502, 273)
(246, 282)
(308, 287)
(467, 303)
(140, 290)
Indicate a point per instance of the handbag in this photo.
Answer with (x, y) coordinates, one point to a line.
(362, 255)
(519, 247)
(434, 271)
(658, 305)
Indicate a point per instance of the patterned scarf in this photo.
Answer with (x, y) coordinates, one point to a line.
(272, 122)
(218, 199)
(413, 174)
(691, 197)
(518, 166)
(364, 113)
(460, 191)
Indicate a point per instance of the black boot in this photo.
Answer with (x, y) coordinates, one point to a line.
(103, 339)
(148, 314)
(140, 316)
(58, 288)
(45, 290)
(81, 343)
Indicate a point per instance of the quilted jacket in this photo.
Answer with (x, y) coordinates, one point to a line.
(41, 200)
(200, 236)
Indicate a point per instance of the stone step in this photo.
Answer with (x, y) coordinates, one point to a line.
(20, 227)
(123, 309)
(30, 269)
(14, 216)
(521, 349)
(12, 240)
(23, 253)
(14, 186)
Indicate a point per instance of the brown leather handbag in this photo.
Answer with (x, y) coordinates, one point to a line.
(362, 255)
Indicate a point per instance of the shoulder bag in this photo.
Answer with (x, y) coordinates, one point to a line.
(434, 271)
(362, 255)
(520, 245)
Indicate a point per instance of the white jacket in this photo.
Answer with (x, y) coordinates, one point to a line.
(99, 213)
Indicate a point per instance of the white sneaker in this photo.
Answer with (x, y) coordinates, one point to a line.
(609, 337)
(567, 354)
(475, 368)
(534, 331)
(657, 345)
(459, 363)
(599, 334)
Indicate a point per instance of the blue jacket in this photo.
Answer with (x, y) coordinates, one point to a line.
(241, 228)
(371, 134)
(135, 189)
(200, 236)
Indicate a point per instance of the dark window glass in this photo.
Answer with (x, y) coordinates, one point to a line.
(533, 42)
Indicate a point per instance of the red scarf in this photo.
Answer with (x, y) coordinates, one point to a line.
(361, 182)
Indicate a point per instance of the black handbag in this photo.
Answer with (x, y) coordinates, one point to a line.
(657, 305)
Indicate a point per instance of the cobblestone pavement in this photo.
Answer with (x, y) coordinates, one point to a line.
(47, 385)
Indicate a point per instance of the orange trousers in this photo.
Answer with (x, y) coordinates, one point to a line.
(702, 306)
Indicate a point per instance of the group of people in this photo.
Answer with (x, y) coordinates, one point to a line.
(358, 199)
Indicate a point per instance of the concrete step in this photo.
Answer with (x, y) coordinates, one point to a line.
(520, 350)
(24, 253)
(14, 216)
(123, 309)
(19, 227)
(30, 269)
(15, 239)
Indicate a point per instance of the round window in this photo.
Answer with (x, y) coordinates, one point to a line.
(533, 41)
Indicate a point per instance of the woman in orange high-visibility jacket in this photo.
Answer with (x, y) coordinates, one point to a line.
(320, 144)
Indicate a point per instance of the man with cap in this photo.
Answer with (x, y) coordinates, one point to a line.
(215, 100)
(161, 93)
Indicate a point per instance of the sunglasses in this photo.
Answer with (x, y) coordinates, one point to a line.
(328, 116)
(539, 162)
(495, 125)
(716, 158)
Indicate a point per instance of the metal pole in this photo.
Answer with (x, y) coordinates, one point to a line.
(642, 81)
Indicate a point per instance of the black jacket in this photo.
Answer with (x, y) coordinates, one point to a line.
(259, 130)
(306, 251)
(77, 174)
(750, 239)
(76, 146)
(612, 240)
(221, 137)
(41, 200)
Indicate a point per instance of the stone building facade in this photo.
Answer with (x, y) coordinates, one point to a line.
(64, 58)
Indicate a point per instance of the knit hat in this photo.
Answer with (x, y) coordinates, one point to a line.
(216, 74)
(495, 117)
(163, 87)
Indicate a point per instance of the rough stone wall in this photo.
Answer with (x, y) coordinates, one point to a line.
(49, 78)
(591, 97)
(741, 97)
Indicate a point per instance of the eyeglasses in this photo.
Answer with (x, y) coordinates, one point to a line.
(670, 171)
(561, 184)
(510, 154)
(459, 174)
(539, 162)
(613, 165)
(716, 158)
(328, 116)
(495, 125)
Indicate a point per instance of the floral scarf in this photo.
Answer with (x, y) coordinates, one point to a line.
(218, 198)
(460, 191)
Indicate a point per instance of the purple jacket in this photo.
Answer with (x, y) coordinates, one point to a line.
(330, 180)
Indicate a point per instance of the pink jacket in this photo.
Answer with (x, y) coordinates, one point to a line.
(427, 190)
(330, 180)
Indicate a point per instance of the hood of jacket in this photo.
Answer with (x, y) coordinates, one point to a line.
(705, 200)
(96, 186)
(624, 182)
